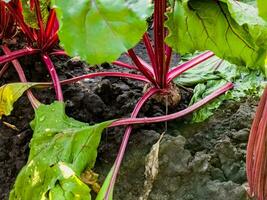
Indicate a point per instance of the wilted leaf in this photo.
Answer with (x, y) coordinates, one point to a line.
(60, 150)
(105, 28)
(229, 28)
(151, 168)
(9, 94)
(91, 179)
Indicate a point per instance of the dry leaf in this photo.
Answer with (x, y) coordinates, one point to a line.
(151, 168)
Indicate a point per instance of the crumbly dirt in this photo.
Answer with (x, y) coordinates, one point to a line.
(89, 101)
(196, 162)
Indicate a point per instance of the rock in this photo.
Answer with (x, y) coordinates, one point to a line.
(241, 135)
(231, 161)
(182, 175)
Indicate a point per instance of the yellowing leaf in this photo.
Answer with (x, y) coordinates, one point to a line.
(9, 94)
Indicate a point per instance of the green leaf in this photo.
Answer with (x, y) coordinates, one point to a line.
(30, 14)
(60, 150)
(101, 30)
(262, 5)
(9, 94)
(212, 74)
(231, 29)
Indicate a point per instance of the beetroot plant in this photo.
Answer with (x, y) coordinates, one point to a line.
(40, 26)
(63, 150)
(235, 34)
(7, 23)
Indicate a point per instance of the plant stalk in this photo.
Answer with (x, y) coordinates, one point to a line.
(125, 139)
(34, 102)
(159, 35)
(122, 64)
(104, 74)
(141, 67)
(151, 53)
(179, 114)
(176, 71)
(40, 22)
(17, 54)
(52, 71)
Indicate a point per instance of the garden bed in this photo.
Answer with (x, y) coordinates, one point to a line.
(201, 161)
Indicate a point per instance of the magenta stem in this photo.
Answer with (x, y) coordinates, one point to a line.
(40, 22)
(251, 147)
(97, 74)
(17, 54)
(137, 61)
(58, 53)
(122, 64)
(176, 71)
(151, 53)
(179, 114)
(4, 69)
(159, 19)
(50, 23)
(111, 74)
(19, 18)
(147, 66)
(125, 139)
(50, 43)
(168, 51)
(141, 68)
(52, 71)
(22, 77)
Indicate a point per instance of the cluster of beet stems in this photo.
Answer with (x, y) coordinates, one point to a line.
(44, 42)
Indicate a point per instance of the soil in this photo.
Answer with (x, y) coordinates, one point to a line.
(196, 162)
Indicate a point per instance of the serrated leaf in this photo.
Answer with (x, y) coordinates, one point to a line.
(100, 30)
(30, 16)
(60, 150)
(9, 94)
(231, 29)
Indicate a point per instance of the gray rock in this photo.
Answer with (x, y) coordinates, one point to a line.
(241, 135)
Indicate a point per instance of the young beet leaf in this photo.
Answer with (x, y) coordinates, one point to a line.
(39, 24)
(7, 24)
